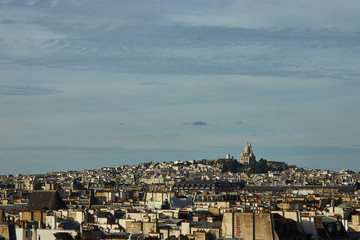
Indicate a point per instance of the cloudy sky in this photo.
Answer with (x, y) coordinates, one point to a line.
(86, 84)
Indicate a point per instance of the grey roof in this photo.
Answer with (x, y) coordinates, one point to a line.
(177, 202)
(206, 224)
(15, 206)
(49, 200)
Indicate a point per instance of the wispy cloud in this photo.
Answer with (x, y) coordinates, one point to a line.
(240, 122)
(257, 49)
(199, 123)
(277, 13)
(154, 83)
(25, 90)
(8, 21)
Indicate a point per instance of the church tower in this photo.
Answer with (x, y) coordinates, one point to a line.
(247, 157)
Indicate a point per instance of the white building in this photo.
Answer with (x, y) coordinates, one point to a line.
(247, 157)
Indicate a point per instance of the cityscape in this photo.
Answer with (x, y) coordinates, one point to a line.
(225, 198)
(179, 120)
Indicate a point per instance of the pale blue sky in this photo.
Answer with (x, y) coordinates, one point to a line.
(87, 84)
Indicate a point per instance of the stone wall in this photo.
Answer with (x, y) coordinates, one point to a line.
(248, 226)
(134, 227)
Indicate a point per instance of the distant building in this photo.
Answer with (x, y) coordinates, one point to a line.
(247, 157)
(207, 185)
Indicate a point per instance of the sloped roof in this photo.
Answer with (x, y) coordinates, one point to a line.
(63, 235)
(176, 202)
(327, 201)
(49, 200)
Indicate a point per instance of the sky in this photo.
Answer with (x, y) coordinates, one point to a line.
(102, 83)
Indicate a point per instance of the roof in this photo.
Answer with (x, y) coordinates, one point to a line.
(206, 225)
(63, 235)
(15, 206)
(202, 212)
(178, 202)
(49, 200)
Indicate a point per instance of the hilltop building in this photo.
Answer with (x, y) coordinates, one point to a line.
(247, 157)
